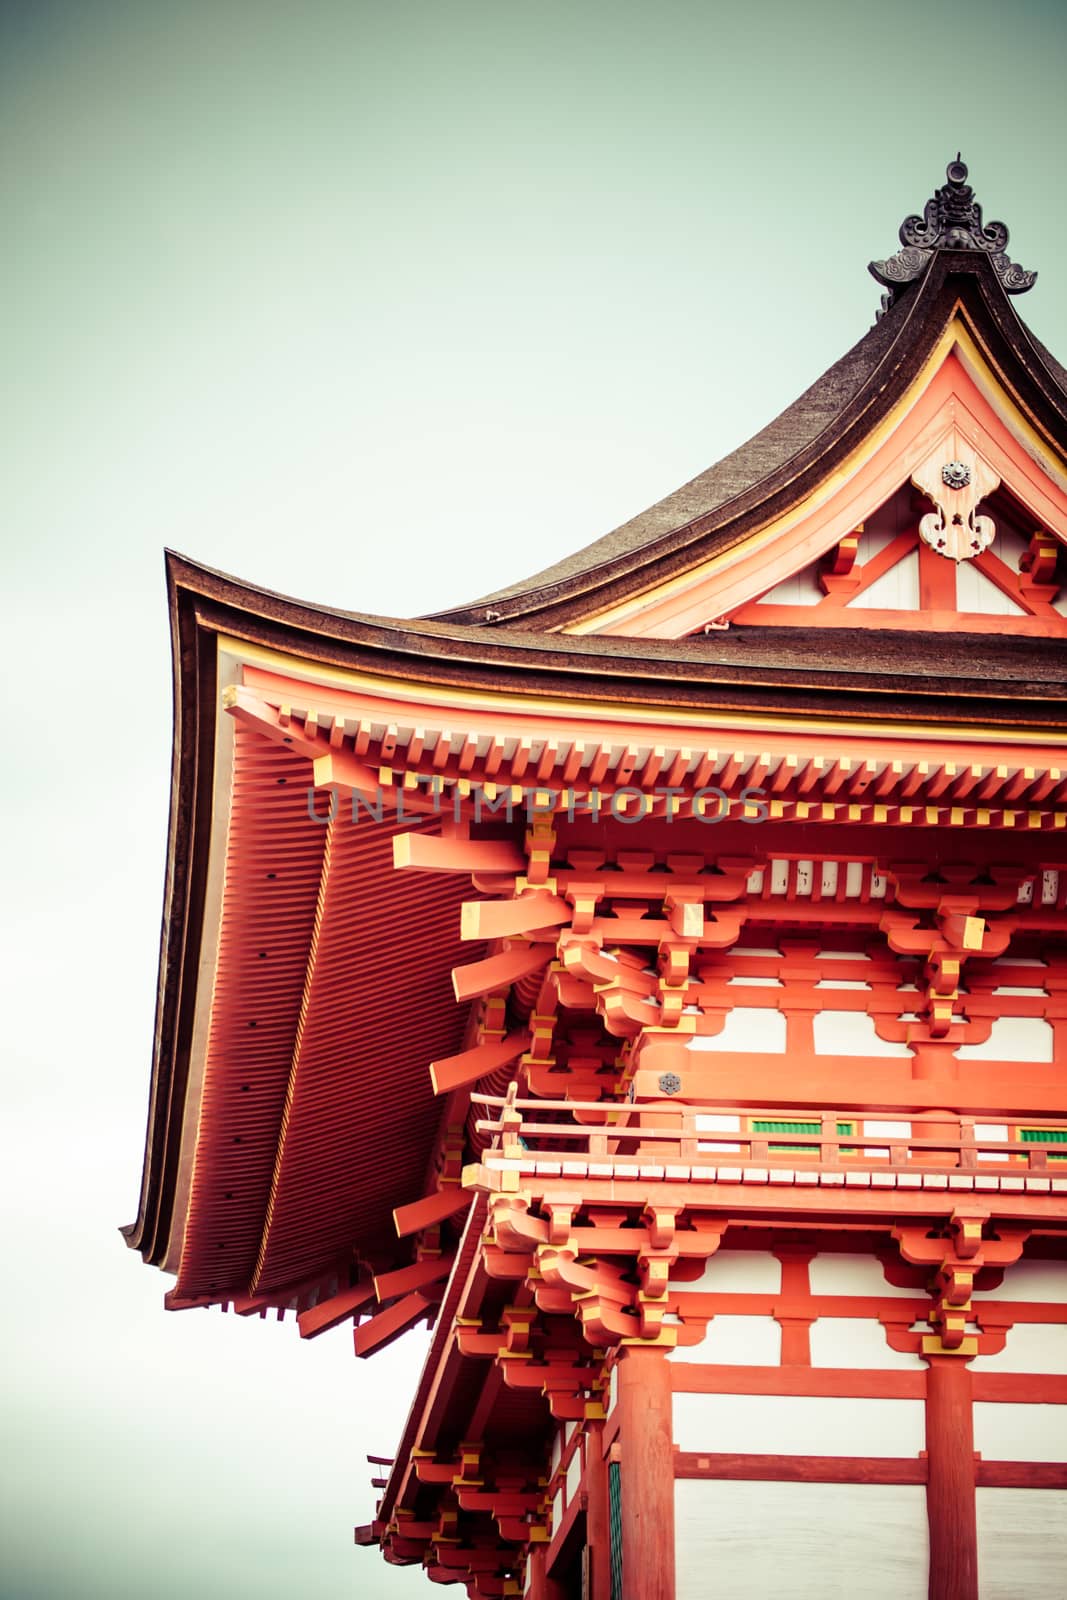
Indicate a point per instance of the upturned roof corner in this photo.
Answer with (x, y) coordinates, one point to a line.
(951, 220)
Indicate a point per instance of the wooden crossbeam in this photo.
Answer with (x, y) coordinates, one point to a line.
(502, 919)
(334, 1311)
(436, 1207)
(498, 972)
(416, 1276)
(389, 1324)
(430, 853)
(455, 1072)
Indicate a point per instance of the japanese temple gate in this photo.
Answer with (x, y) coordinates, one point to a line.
(654, 976)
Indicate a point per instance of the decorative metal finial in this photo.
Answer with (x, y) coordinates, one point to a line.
(951, 220)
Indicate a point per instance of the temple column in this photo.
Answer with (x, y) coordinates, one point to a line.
(950, 1499)
(542, 1587)
(647, 1449)
(597, 1521)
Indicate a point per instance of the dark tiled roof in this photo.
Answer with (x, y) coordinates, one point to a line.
(786, 460)
(773, 447)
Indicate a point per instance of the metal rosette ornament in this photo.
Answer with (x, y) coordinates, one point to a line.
(956, 478)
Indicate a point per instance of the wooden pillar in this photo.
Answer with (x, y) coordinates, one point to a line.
(950, 1503)
(542, 1587)
(597, 1518)
(647, 1473)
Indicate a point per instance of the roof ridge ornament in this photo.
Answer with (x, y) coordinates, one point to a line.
(951, 220)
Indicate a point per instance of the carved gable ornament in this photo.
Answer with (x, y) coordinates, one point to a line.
(951, 220)
(957, 479)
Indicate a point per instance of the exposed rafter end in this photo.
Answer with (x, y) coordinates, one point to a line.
(405, 1279)
(381, 1329)
(429, 852)
(334, 1311)
(456, 1072)
(479, 978)
(432, 1208)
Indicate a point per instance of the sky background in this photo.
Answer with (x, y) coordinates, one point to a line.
(382, 306)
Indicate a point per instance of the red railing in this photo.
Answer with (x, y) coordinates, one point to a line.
(733, 1136)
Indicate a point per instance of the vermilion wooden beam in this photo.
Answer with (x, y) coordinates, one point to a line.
(497, 972)
(840, 1382)
(1021, 1475)
(333, 1311)
(390, 1323)
(798, 1469)
(416, 1276)
(429, 853)
(431, 1208)
(455, 1072)
(502, 919)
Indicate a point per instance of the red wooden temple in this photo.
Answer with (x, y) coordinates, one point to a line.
(654, 977)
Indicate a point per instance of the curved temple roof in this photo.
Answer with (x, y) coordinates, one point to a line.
(957, 267)
(297, 965)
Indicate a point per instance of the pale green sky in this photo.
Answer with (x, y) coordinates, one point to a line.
(383, 306)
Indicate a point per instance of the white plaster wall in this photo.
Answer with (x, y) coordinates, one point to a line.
(1012, 1039)
(992, 1130)
(574, 1475)
(853, 1274)
(715, 1122)
(1044, 1282)
(736, 1341)
(1022, 1544)
(802, 589)
(1021, 1433)
(739, 1272)
(1031, 1347)
(976, 592)
(851, 1033)
(895, 590)
(800, 1541)
(748, 1029)
(805, 1425)
(856, 1342)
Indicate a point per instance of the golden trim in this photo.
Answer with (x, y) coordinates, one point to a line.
(957, 338)
(487, 701)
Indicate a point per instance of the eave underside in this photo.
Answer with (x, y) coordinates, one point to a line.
(331, 1003)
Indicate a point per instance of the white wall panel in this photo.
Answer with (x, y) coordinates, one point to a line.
(976, 592)
(800, 1541)
(801, 589)
(749, 1029)
(856, 1342)
(1012, 1039)
(1020, 1433)
(1031, 1347)
(851, 1033)
(739, 1272)
(736, 1341)
(895, 590)
(574, 1475)
(1042, 1281)
(1022, 1544)
(804, 1425)
(853, 1274)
